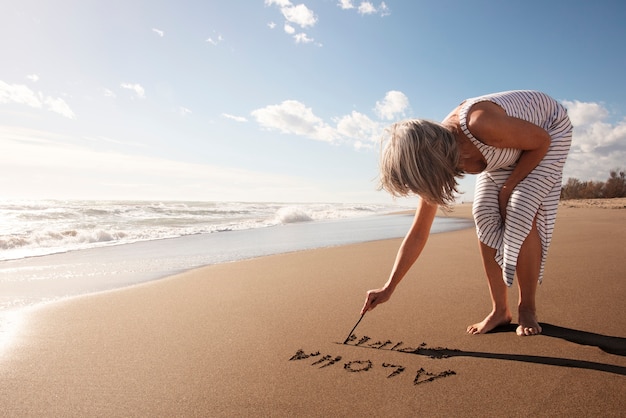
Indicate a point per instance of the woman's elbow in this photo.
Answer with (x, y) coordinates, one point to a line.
(543, 141)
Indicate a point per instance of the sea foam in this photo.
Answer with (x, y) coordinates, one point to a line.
(47, 227)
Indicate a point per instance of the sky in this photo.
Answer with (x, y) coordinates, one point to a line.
(279, 100)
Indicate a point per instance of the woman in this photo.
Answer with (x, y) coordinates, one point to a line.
(517, 143)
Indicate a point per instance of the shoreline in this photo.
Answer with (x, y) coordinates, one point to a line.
(242, 338)
(31, 280)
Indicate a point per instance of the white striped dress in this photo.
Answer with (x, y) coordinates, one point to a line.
(536, 196)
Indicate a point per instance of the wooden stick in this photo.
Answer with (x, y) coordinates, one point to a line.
(357, 324)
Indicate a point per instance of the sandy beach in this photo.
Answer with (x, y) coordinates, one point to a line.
(263, 337)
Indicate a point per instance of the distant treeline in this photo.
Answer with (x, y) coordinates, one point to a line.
(614, 186)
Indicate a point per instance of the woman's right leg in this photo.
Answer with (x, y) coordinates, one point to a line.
(486, 211)
(500, 313)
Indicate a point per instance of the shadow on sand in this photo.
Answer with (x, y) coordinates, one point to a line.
(608, 344)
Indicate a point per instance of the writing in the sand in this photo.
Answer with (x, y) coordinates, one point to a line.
(357, 366)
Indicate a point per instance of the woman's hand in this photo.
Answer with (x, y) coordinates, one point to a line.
(375, 297)
(503, 200)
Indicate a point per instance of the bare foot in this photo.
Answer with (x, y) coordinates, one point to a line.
(528, 324)
(493, 320)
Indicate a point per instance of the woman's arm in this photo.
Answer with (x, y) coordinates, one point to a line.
(409, 251)
(490, 124)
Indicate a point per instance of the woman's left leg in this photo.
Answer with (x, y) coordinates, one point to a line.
(528, 269)
(500, 313)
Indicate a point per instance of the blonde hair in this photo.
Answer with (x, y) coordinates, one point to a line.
(420, 157)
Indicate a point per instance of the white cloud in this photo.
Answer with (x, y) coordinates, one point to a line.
(302, 38)
(365, 7)
(299, 38)
(383, 9)
(300, 15)
(279, 3)
(345, 4)
(293, 117)
(18, 93)
(33, 77)
(21, 94)
(393, 105)
(581, 113)
(137, 88)
(289, 29)
(598, 145)
(359, 127)
(235, 118)
(215, 40)
(158, 32)
(59, 106)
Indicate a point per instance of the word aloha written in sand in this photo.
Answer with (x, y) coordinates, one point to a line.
(358, 366)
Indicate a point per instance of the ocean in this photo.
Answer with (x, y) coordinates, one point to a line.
(50, 250)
